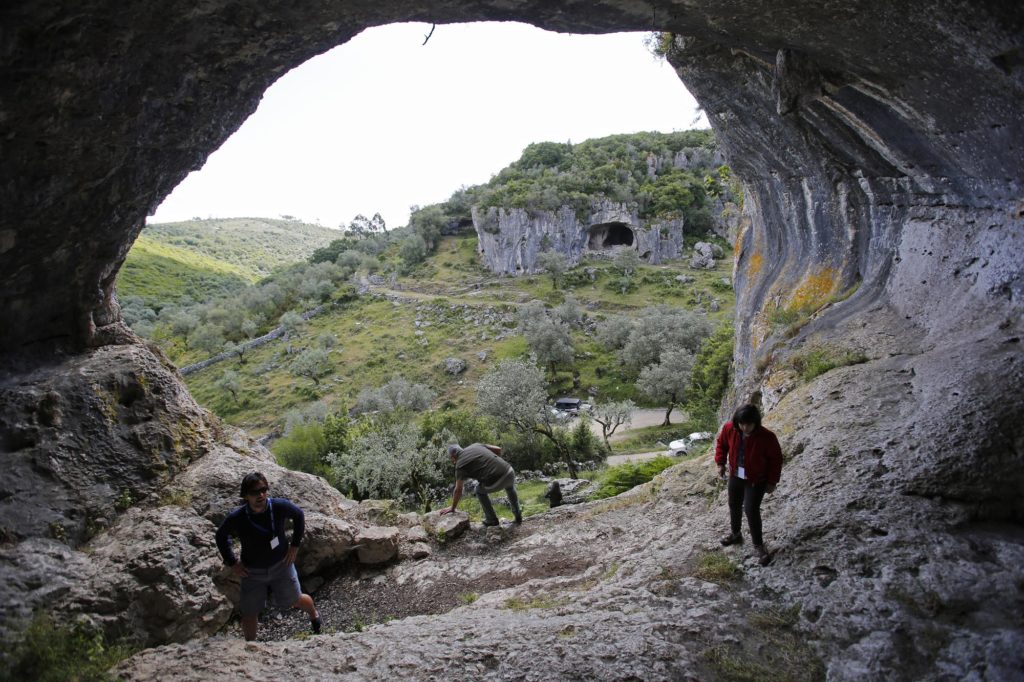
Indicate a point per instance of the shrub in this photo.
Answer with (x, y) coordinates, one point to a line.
(619, 479)
(50, 652)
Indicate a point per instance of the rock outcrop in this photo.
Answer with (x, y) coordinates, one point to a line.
(510, 240)
(879, 147)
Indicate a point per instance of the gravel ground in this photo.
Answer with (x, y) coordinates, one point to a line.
(359, 596)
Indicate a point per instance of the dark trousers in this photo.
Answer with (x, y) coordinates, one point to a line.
(746, 497)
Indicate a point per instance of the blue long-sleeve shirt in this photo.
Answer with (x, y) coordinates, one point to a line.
(255, 532)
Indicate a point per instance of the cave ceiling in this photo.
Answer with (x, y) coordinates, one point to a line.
(105, 107)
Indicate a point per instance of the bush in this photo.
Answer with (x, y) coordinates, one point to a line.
(49, 652)
(619, 479)
(303, 449)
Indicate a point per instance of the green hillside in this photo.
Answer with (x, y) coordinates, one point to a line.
(254, 245)
(463, 311)
(161, 273)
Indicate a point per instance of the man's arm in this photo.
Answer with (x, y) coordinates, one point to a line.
(456, 496)
(226, 553)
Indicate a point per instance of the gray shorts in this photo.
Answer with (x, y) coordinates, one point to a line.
(284, 586)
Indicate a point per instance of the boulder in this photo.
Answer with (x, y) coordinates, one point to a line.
(448, 526)
(703, 256)
(35, 574)
(327, 542)
(377, 544)
(454, 366)
(154, 577)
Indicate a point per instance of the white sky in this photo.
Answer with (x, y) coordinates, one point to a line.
(383, 122)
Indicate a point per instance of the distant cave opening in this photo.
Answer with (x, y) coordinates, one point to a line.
(607, 235)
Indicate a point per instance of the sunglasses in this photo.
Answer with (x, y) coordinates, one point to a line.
(258, 491)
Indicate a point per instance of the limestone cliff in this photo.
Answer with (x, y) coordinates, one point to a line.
(879, 145)
(509, 240)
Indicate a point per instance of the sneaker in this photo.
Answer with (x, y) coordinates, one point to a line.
(519, 519)
(491, 524)
(316, 624)
(732, 539)
(763, 556)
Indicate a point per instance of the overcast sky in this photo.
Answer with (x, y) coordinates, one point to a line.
(384, 122)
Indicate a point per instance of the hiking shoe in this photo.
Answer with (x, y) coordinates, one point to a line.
(491, 524)
(732, 539)
(763, 556)
(316, 624)
(519, 519)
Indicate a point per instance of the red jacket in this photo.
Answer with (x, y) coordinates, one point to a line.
(762, 456)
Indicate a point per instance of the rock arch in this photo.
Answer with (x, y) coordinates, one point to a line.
(879, 145)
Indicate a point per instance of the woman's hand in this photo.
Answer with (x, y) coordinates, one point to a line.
(239, 569)
(289, 557)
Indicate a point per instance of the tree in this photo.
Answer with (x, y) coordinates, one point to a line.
(360, 226)
(397, 394)
(611, 416)
(627, 261)
(303, 448)
(513, 393)
(710, 378)
(229, 382)
(377, 224)
(207, 338)
(569, 311)
(668, 380)
(614, 332)
(385, 462)
(413, 251)
(312, 364)
(550, 342)
(554, 264)
(236, 349)
(659, 328)
(291, 322)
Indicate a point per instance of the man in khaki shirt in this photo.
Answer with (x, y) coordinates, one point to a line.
(481, 462)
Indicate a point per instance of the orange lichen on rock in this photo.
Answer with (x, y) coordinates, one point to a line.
(814, 291)
(756, 263)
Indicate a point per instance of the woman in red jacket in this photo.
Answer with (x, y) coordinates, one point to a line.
(755, 464)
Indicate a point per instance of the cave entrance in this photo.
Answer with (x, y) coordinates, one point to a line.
(606, 236)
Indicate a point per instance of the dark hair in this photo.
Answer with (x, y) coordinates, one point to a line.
(250, 481)
(748, 414)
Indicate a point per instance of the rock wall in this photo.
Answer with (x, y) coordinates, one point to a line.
(509, 240)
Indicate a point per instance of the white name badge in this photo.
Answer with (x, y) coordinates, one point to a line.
(740, 471)
(274, 543)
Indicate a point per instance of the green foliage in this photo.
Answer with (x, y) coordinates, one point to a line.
(303, 449)
(47, 651)
(618, 479)
(816, 361)
(550, 175)
(710, 379)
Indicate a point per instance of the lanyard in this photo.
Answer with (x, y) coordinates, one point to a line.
(257, 526)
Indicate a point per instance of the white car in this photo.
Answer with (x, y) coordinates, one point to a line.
(680, 447)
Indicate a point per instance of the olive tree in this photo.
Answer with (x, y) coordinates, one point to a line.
(313, 364)
(611, 416)
(396, 394)
(514, 394)
(667, 380)
(385, 461)
(554, 264)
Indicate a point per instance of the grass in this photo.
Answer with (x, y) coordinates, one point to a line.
(716, 567)
(379, 339)
(531, 501)
(821, 359)
(620, 478)
(160, 273)
(48, 651)
(768, 648)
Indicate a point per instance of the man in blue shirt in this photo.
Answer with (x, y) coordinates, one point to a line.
(268, 558)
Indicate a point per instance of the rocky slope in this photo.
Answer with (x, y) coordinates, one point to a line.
(880, 149)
